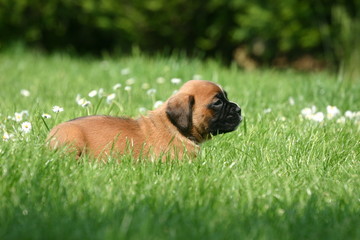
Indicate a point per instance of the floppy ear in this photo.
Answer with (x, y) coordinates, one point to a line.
(179, 111)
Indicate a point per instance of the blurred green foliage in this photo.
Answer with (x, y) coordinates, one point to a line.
(268, 29)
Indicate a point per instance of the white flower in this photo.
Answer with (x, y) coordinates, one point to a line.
(78, 97)
(93, 93)
(282, 118)
(26, 127)
(341, 120)
(25, 112)
(142, 110)
(357, 122)
(127, 88)
(6, 136)
(306, 112)
(57, 109)
(100, 92)
(313, 109)
(197, 77)
(116, 86)
(145, 86)
(160, 80)
(86, 104)
(268, 110)
(83, 102)
(18, 117)
(130, 81)
(349, 114)
(151, 92)
(110, 98)
(318, 117)
(45, 115)
(311, 114)
(125, 71)
(332, 112)
(175, 80)
(291, 101)
(158, 104)
(25, 92)
(357, 115)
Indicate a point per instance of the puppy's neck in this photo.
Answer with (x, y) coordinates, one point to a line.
(197, 137)
(163, 120)
(194, 140)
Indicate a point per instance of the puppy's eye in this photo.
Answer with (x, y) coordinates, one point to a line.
(218, 103)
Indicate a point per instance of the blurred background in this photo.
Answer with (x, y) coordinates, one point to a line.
(301, 34)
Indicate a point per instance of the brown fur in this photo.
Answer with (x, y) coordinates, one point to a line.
(154, 134)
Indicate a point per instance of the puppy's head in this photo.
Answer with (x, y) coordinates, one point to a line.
(201, 109)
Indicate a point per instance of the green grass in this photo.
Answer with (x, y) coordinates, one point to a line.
(276, 177)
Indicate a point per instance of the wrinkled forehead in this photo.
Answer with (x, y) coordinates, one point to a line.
(202, 87)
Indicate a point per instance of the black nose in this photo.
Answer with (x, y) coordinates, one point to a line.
(236, 109)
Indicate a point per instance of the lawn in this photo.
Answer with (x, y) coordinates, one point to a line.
(288, 171)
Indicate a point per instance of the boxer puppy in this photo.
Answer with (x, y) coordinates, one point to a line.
(198, 111)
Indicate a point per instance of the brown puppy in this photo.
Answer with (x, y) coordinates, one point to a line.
(197, 111)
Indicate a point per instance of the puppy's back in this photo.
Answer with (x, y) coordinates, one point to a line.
(94, 134)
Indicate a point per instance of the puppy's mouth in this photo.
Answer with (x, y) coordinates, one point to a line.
(224, 125)
(234, 118)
